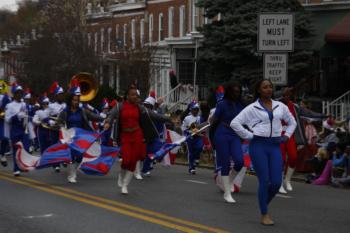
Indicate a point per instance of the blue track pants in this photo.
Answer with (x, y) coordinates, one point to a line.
(267, 160)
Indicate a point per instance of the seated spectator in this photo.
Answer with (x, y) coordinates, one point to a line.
(327, 137)
(318, 163)
(344, 181)
(339, 162)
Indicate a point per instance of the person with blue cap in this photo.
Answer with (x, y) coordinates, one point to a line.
(194, 143)
(44, 123)
(16, 116)
(55, 109)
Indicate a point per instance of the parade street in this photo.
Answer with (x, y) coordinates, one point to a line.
(169, 201)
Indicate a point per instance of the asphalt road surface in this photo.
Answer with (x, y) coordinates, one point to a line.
(170, 200)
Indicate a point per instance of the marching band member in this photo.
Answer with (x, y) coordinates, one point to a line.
(156, 143)
(76, 116)
(16, 115)
(195, 143)
(31, 111)
(4, 146)
(106, 135)
(43, 122)
(132, 129)
(227, 143)
(263, 118)
(55, 109)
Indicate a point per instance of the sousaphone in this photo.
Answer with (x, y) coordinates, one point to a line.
(88, 86)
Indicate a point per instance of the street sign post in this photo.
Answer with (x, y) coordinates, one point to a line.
(276, 68)
(276, 32)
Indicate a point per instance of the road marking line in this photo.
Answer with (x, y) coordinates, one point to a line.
(283, 196)
(39, 216)
(196, 181)
(103, 206)
(123, 205)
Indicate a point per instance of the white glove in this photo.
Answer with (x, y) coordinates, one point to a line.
(103, 115)
(52, 122)
(21, 115)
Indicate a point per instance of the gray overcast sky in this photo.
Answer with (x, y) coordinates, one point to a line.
(8, 4)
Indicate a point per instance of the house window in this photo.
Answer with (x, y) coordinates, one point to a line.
(125, 33)
(102, 39)
(142, 32)
(171, 22)
(182, 23)
(160, 28)
(133, 32)
(150, 28)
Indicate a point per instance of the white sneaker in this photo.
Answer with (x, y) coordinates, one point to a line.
(71, 180)
(288, 185)
(228, 198)
(124, 189)
(17, 173)
(138, 177)
(282, 190)
(147, 174)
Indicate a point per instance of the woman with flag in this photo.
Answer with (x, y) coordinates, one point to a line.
(133, 128)
(227, 143)
(75, 116)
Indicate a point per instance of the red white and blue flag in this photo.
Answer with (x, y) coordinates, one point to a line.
(97, 159)
(55, 154)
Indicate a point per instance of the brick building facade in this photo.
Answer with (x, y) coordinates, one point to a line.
(168, 26)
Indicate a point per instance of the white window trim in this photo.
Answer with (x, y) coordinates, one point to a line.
(89, 39)
(102, 39)
(182, 21)
(109, 40)
(125, 31)
(142, 32)
(150, 28)
(160, 26)
(133, 33)
(96, 39)
(171, 22)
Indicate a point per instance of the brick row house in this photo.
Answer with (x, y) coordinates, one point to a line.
(168, 26)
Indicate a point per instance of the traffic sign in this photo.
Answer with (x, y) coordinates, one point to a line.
(276, 68)
(276, 32)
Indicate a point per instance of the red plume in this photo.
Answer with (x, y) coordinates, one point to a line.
(53, 87)
(14, 84)
(220, 89)
(27, 90)
(74, 83)
(113, 103)
(45, 94)
(152, 94)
